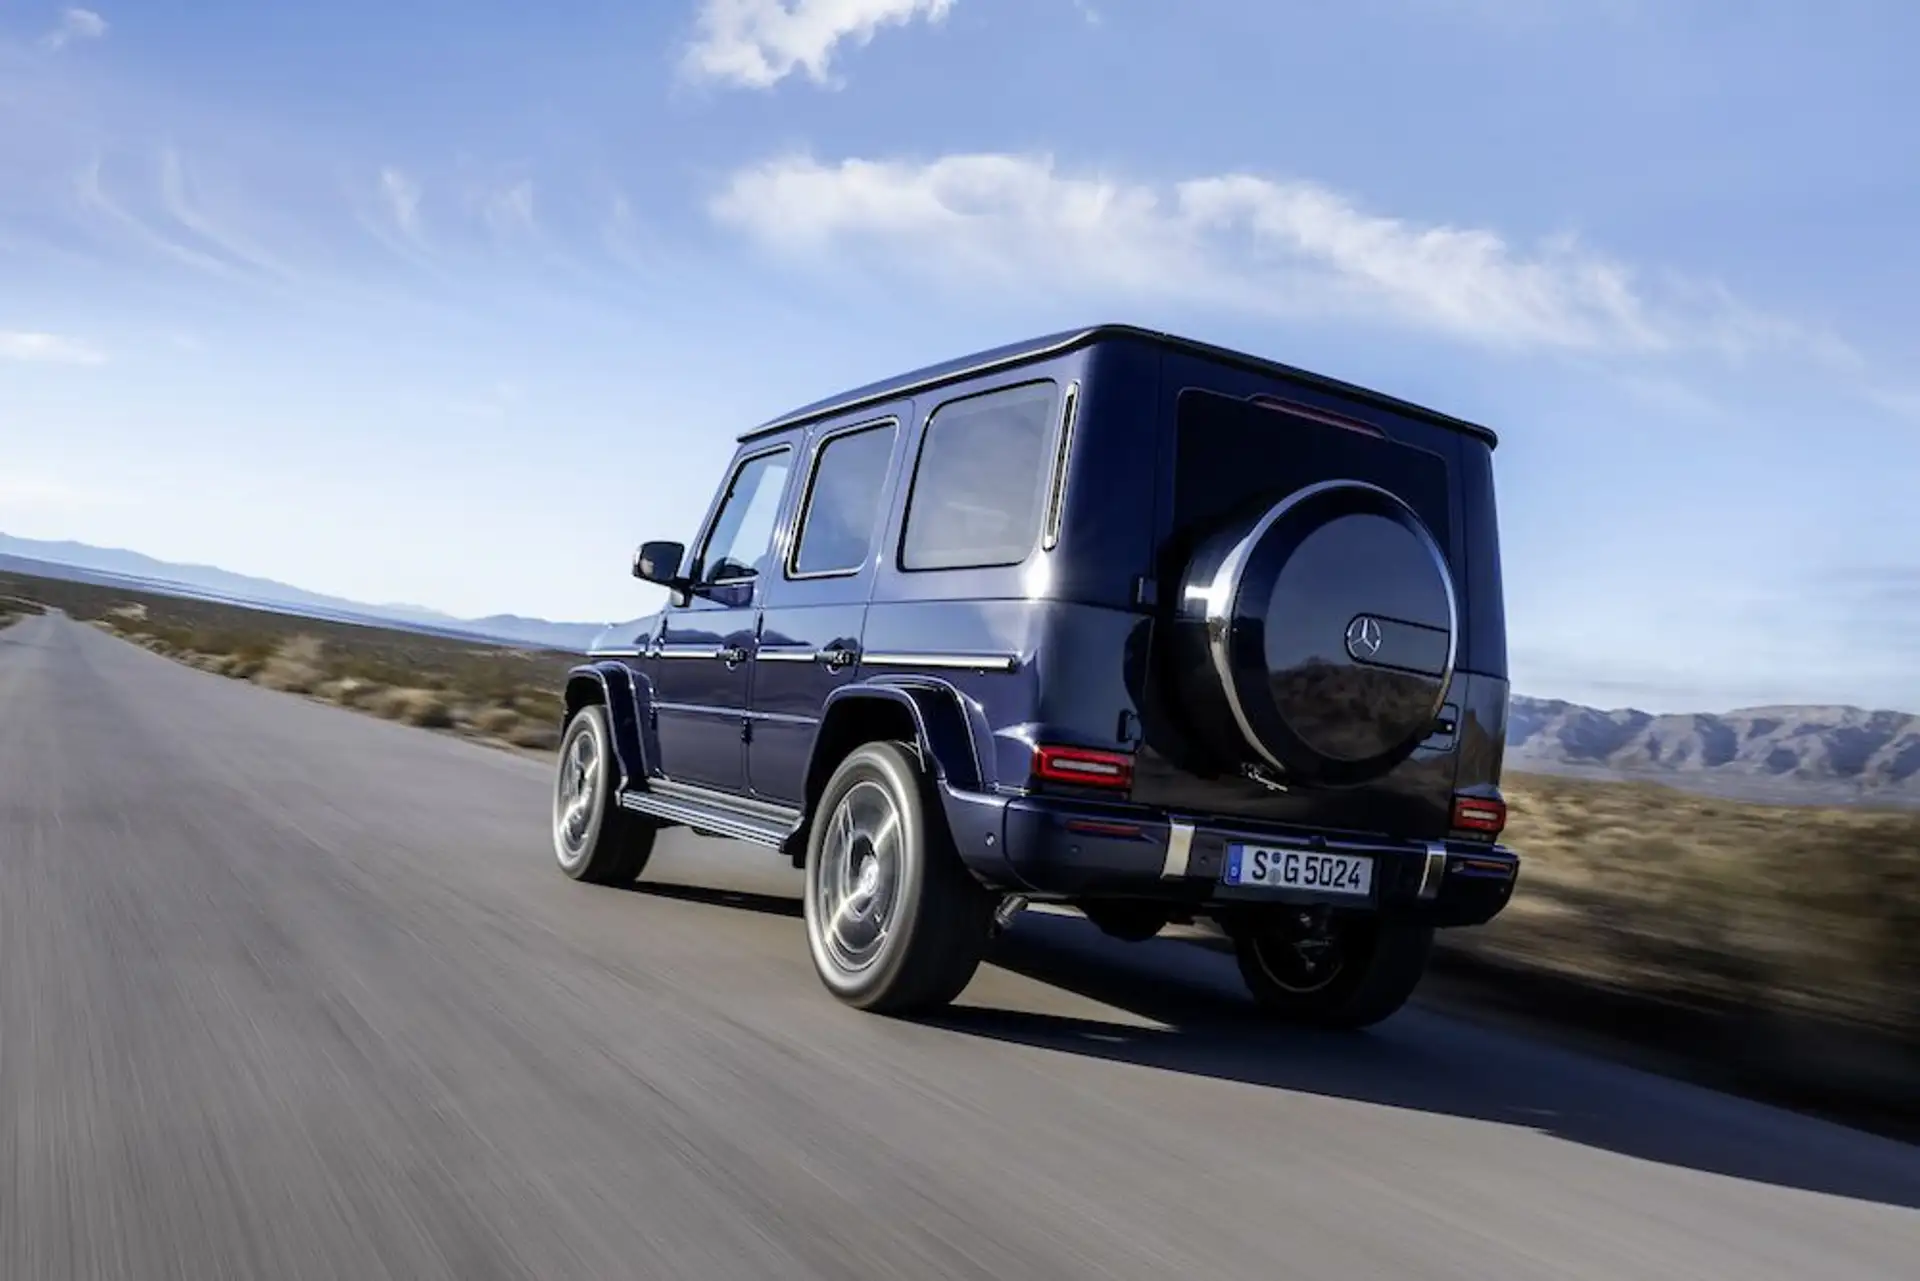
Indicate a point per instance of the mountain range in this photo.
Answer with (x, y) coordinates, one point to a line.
(1793, 754)
(85, 563)
(1803, 753)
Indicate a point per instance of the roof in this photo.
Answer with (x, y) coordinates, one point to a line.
(1059, 344)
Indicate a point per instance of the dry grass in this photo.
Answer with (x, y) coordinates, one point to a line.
(502, 694)
(12, 607)
(1717, 902)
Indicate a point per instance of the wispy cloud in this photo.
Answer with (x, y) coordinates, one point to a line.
(75, 25)
(182, 203)
(756, 44)
(509, 210)
(47, 349)
(98, 203)
(1903, 403)
(401, 195)
(1236, 240)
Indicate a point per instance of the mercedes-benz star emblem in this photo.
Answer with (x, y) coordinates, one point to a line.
(1363, 637)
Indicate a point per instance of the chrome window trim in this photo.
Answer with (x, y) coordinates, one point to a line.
(1062, 456)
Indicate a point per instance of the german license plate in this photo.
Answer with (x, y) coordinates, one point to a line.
(1284, 869)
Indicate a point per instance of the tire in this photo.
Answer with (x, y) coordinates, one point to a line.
(594, 839)
(1380, 963)
(936, 917)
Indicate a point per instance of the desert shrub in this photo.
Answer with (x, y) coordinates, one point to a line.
(541, 735)
(426, 708)
(496, 720)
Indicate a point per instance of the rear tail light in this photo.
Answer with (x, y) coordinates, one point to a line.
(1083, 767)
(1479, 814)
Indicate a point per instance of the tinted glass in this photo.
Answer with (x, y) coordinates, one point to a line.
(981, 480)
(1235, 457)
(836, 530)
(744, 531)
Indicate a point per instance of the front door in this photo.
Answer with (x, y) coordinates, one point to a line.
(816, 600)
(705, 652)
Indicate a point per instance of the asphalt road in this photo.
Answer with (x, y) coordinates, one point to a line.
(286, 991)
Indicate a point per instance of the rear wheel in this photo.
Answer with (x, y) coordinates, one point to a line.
(1342, 972)
(895, 923)
(594, 839)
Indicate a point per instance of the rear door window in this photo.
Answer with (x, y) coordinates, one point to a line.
(844, 501)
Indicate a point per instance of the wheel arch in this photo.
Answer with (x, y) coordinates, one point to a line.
(929, 714)
(612, 686)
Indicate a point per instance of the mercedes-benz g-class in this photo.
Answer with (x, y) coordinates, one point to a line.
(1111, 619)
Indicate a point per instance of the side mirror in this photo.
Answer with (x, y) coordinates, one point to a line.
(659, 562)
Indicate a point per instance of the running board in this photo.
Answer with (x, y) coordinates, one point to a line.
(736, 818)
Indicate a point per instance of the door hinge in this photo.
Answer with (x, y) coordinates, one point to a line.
(746, 730)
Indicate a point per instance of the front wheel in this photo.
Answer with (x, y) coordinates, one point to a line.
(1340, 972)
(594, 839)
(895, 922)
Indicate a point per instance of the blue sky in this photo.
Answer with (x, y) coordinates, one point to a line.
(455, 303)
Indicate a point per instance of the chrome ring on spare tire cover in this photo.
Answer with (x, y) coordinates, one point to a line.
(1223, 611)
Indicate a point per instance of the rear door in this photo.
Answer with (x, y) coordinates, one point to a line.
(1232, 440)
(816, 598)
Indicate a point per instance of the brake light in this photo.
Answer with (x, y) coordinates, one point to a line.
(1315, 414)
(1478, 814)
(1083, 767)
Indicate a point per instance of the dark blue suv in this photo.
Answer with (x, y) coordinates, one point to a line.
(1111, 619)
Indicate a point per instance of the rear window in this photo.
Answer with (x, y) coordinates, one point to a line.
(981, 480)
(1234, 455)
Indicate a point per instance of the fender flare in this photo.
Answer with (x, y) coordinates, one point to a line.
(626, 699)
(949, 727)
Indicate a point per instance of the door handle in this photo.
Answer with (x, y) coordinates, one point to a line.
(838, 656)
(732, 655)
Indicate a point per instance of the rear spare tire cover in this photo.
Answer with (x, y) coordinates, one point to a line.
(1318, 638)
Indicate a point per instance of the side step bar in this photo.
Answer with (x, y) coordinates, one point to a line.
(735, 817)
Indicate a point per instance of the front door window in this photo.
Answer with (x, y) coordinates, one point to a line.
(743, 532)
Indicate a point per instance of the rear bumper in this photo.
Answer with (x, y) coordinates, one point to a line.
(1054, 849)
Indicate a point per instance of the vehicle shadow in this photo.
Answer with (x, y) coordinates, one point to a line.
(1418, 1060)
(765, 904)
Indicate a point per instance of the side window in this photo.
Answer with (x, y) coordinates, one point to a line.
(844, 502)
(743, 532)
(981, 480)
